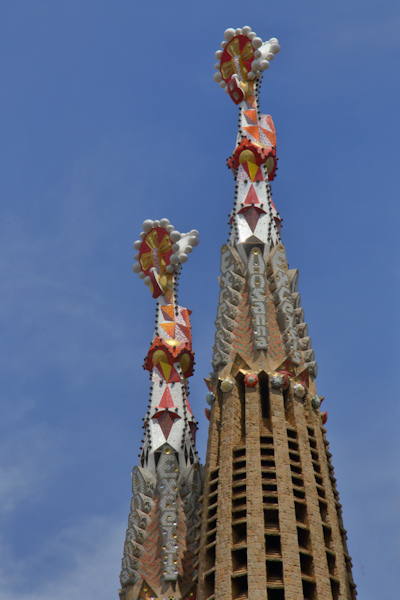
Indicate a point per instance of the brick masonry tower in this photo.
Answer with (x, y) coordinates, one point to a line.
(271, 525)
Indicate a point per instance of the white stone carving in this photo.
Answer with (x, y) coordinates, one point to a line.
(257, 282)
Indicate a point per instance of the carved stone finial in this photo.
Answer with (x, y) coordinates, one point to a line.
(243, 58)
(161, 252)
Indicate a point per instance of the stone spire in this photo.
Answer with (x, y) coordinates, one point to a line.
(271, 524)
(160, 541)
(255, 223)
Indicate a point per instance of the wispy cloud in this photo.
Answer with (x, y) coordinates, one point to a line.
(87, 565)
(25, 464)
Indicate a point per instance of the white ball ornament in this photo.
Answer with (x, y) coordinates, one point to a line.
(275, 47)
(142, 275)
(316, 402)
(136, 256)
(246, 30)
(170, 228)
(156, 223)
(299, 390)
(188, 249)
(217, 66)
(175, 236)
(137, 244)
(223, 84)
(264, 65)
(238, 32)
(169, 269)
(257, 42)
(164, 223)
(226, 385)
(175, 247)
(142, 235)
(255, 65)
(277, 382)
(147, 280)
(257, 54)
(252, 35)
(217, 77)
(223, 45)
(229, 34)
(183, 258)
(147, 225)
(136, 268)
(173, 259)
(193, 241)
(251, 75)
(218, 54)
(210, 398)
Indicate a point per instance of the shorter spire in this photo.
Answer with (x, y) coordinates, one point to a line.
(159, 551)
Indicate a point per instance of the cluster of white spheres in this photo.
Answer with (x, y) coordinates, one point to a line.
(182, 245)
(264, 53)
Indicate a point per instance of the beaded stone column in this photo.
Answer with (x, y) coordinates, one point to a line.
(271, 523)
(159, 551)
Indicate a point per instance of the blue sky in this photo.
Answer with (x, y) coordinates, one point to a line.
(109, 116)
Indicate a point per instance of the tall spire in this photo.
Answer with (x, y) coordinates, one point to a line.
(271, 526)
(160, 542)
(255, 223)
